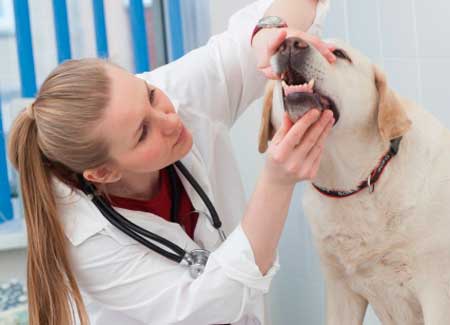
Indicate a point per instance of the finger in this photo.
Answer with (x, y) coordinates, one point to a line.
(312, 161)
(329, 55)
(316, 164)
(324, 48)
(330, 46)
(313, 134)
(323, 137)
(297, 131)
(326, 52)
(279, 135)
(270, 74)
(276, 42)
(271, 49)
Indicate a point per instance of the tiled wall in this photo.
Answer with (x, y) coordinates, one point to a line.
(409, 39)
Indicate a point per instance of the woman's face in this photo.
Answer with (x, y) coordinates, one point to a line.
(144, 132)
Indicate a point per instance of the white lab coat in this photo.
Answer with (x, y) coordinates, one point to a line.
(122, 281)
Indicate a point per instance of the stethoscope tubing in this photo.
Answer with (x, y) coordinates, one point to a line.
(214, 215)
(137, 233)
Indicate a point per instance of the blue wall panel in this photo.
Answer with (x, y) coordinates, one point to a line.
(24, 48)
(62, 30)
(176, 29)
(6, 212)
(139, 36)
(100, 28)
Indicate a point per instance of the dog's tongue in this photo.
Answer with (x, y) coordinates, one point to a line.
(299, 99)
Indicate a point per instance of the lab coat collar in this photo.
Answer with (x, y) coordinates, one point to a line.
(205, 233)
(79, 216)
(81, 219)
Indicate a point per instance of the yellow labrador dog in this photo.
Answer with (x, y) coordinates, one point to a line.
(379, 207)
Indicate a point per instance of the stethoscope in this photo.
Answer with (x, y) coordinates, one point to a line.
(196, 260)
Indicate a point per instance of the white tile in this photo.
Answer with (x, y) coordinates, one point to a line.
(433, 25)
(402, 76)
(435, 89)
(42, 32)
(335, 23)
(364, 27)
(397, 28)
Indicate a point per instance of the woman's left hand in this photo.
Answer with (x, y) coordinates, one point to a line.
(267, 41)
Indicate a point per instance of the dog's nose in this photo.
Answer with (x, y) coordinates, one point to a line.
(293, 46)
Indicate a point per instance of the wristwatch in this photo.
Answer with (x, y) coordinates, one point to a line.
(268, 22)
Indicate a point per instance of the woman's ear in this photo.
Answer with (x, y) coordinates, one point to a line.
(393, 121)
(103, 174)
(266, 130)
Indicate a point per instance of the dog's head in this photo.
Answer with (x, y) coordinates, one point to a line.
(352, 88)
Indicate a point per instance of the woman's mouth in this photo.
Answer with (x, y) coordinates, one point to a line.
(181, 136)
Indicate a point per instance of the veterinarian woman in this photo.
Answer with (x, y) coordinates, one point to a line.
(93, 124)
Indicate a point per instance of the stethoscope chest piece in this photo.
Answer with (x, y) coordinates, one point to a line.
(196, 260)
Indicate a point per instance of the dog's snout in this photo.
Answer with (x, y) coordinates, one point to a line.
(293, 46)
(291, 53)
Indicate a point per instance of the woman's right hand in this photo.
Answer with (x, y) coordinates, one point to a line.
(267, 41)
(295, 151)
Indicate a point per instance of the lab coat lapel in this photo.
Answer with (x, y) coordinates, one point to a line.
(205, 233)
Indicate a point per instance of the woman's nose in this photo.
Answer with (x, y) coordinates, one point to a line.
(170, 123)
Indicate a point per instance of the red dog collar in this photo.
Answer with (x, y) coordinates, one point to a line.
(371, 180)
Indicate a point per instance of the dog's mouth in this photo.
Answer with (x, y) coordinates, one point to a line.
(301, 95)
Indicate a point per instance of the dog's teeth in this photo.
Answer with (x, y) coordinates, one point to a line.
(311, 83)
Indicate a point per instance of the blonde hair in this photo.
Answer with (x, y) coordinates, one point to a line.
(54, 137)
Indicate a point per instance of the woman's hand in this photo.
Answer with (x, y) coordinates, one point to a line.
(295, 151)
(293, 155)
(267, 41)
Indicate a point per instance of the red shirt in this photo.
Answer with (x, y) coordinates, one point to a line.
(161, 204)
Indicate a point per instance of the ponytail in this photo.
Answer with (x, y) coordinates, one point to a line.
(52, 288)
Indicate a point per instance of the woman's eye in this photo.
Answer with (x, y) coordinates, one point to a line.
(144, 133)
(341, 54)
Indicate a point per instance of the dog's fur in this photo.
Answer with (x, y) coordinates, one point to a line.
(389, 248)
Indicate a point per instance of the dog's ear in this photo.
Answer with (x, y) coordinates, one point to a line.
(266, 130)
(393, 121)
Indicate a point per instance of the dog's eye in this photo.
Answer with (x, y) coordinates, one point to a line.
(342, 55)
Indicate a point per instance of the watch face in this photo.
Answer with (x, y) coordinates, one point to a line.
(271, 21)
